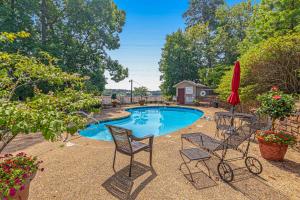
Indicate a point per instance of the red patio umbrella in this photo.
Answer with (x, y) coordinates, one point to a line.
(234, 98)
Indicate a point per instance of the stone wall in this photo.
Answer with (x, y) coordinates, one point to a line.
(291, 125)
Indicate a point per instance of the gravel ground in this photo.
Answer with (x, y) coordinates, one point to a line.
(84, 171)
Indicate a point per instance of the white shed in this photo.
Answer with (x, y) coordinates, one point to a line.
(187, 91)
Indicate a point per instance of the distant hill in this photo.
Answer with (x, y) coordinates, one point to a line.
(122, 92)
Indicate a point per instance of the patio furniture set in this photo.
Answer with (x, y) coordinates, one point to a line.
(234, 130)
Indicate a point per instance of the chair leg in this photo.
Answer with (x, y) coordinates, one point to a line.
(114, 160)
(186, 164)
(131, 160)
(150, 157)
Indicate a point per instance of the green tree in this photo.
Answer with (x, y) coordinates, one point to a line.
(202, 46)
(17, 16)
(272, 18)
(140, 91)
(216, 36)
(177, 62)
(232, 23)
(76, 32)
(51, 113)
(212, 76)
(202, 12)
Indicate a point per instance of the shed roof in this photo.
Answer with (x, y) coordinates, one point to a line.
(191, 83)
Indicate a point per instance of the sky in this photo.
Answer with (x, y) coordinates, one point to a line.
(147, 24)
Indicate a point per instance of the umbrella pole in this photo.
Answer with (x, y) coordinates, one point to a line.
(232, 117)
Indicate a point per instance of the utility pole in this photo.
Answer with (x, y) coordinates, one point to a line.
(131, 90)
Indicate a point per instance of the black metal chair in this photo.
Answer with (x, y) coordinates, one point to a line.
(128, 144)
(228, 120)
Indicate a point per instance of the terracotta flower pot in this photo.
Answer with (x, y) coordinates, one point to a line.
(272, 151)
(142, 102)
(114, 103)
(24, 194)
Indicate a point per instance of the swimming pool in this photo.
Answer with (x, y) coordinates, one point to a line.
(143, 121)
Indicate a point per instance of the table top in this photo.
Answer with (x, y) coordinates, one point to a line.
(236, 114)
(195, 154)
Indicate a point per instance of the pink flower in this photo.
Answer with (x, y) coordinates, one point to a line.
(274, 88)
(25, 176)
(277, 97)
(21, 154)
(22, 187)
(12, 192)
(17, 180)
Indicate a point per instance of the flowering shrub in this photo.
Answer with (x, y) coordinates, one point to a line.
(276, 104)
(14, 172)
(276, 137)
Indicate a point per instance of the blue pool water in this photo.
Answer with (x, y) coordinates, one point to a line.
(147, 120)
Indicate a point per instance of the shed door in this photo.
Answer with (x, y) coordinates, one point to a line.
(180, 96)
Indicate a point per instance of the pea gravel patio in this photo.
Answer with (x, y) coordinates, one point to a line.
(83, 171)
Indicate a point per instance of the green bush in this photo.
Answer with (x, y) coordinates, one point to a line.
(274, 62)
(211, 76)
(276, 104)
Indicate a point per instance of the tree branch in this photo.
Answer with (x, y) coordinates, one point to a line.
(5, 143)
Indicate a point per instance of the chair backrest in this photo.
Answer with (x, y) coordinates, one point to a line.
(240, 135)
(121, 137)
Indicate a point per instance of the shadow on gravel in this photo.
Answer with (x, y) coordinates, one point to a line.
(22, 142)
(252, 186)
(122, 186)
(288, 165)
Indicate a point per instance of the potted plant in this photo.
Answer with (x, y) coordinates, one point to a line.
(273, 144)
(16, 173)
(196, 102)
(114, 100)
(142, 92)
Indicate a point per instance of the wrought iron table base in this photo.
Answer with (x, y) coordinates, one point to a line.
(194, 154)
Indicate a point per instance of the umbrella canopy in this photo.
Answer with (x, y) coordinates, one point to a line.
(234, 98)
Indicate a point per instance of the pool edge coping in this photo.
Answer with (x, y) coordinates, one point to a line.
(134, 107)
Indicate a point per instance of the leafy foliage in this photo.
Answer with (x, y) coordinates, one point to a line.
(231, 30)
(140, 91)
(12, 37)
(177, 62)
(202, 12)
(272, 18)
(211, 77)
(214, 31)
(276, 104)
(17, 70)
(202, 46)
(272, 62)
(278, 138)
(78, 33)
(51, 113)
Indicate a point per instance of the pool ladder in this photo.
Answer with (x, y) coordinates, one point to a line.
(84, 114)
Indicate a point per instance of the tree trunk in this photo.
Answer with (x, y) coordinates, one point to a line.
(12, 7)
(293, 21)
(43, 22)
(273, 124)
(5, 143)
